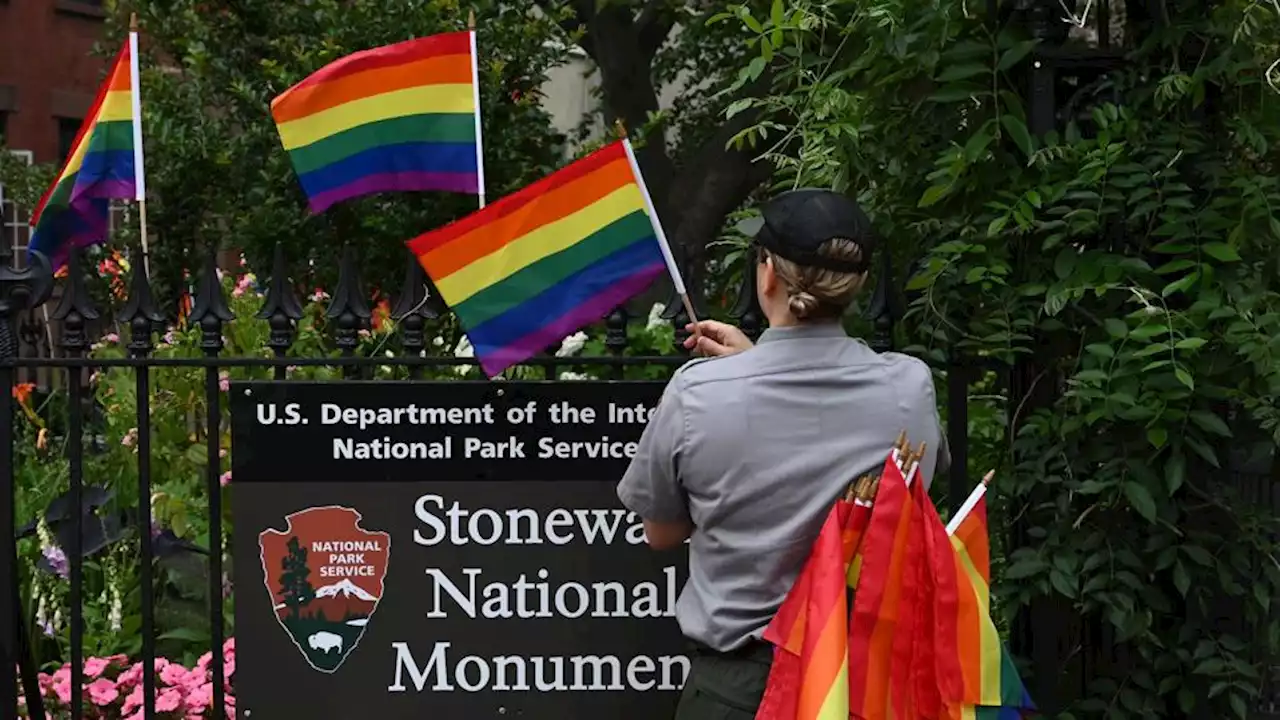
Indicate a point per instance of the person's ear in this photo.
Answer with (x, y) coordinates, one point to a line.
(768, 278)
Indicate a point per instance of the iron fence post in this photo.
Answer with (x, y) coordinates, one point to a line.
(19, 290)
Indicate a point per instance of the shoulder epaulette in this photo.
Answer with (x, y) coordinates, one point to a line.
(695, 361)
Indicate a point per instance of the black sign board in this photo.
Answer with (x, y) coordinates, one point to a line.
(447, 550)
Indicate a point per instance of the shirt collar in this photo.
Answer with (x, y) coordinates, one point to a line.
(818, 330)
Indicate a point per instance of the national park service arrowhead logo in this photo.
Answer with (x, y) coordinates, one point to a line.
(324, 574)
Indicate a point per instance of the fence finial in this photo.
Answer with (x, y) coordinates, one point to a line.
(281, 307)
(75, 308)
(413, 308)
(140, 313)
(349, 307)
(209, 309)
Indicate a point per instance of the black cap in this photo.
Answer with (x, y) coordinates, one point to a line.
(796, 223)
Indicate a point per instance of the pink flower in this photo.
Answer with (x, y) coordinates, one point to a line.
(111, 338)
(130, 677)
(93, 667)
(225, 479)
(319, 295)
(224, 382)
(134, 700)
(200, 697)
(63, 690)
(168, 700)
(130, 437)
(102, 692)
(174, 674)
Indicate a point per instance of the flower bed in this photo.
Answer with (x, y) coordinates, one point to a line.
(113, 689)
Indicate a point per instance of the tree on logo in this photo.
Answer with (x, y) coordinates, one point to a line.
(295, 586)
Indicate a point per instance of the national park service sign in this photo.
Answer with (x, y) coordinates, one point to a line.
(521, 589)
(325, 575)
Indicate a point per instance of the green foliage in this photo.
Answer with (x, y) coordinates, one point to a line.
(1124, 268)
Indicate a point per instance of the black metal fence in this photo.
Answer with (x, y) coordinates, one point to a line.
(348, 312)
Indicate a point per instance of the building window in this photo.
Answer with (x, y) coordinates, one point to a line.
(15, 227)
(68, 128)
(4, 123)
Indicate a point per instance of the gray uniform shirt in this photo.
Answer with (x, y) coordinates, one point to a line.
(754, 449)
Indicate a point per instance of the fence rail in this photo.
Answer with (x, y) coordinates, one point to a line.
(348, 313)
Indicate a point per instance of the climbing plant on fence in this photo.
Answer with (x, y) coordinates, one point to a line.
(1120, 268)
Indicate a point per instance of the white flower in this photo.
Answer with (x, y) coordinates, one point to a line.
(437, 341)
(655, 317)
(572, 345)
(566, 375)
(464, 348)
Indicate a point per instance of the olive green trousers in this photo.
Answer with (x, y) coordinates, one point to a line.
(725, 686)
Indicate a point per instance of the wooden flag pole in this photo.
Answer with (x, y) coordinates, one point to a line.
(970, 503)
(139, 173)
(672, 268)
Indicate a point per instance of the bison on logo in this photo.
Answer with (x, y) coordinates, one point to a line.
(325, 575)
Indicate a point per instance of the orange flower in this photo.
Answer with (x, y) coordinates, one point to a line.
(22, 392)
(381, 313)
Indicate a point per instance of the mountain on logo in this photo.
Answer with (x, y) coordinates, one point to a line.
(345, 588)
(342, 600)
(325, 622)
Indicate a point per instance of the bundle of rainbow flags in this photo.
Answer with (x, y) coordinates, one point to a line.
(917, 640)
(520, 274)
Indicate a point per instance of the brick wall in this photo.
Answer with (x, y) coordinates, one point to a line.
(48, 73)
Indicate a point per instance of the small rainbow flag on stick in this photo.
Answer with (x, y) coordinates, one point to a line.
(537, 265)
(992, 686)
(105, 163)
(403, 117)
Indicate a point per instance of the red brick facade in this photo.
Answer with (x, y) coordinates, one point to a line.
(48, 72)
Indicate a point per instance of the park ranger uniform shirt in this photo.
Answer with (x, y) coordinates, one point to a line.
(754, 448)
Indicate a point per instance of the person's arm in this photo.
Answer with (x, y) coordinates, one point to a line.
(651, 486)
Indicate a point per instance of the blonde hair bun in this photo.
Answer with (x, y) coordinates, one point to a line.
(802, 304)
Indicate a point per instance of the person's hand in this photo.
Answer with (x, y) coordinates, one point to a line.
(713, 339)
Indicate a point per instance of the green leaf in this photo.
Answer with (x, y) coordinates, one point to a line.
(962, 71)
(1181, 284)
(1102, 350)
(1221, 252)
(1190, 343)
(739, 106)
(1061, 583)
(1175, 471)
(185, 634)
(1181, 578)
(1238, 705)
(1025, 568)
(1211, 423)
(1148, 331)
(1157, 436)
(1140, 499)
(1201, 449)
(1018, 131)
(933, 194)
(1116, 327)
(1013, 55)
(1184, 377)
(1065, 262)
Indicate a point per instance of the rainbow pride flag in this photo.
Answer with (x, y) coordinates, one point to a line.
(398, 118)
(884, 606)
(991, 681)
(105, 163)
(539, 264)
